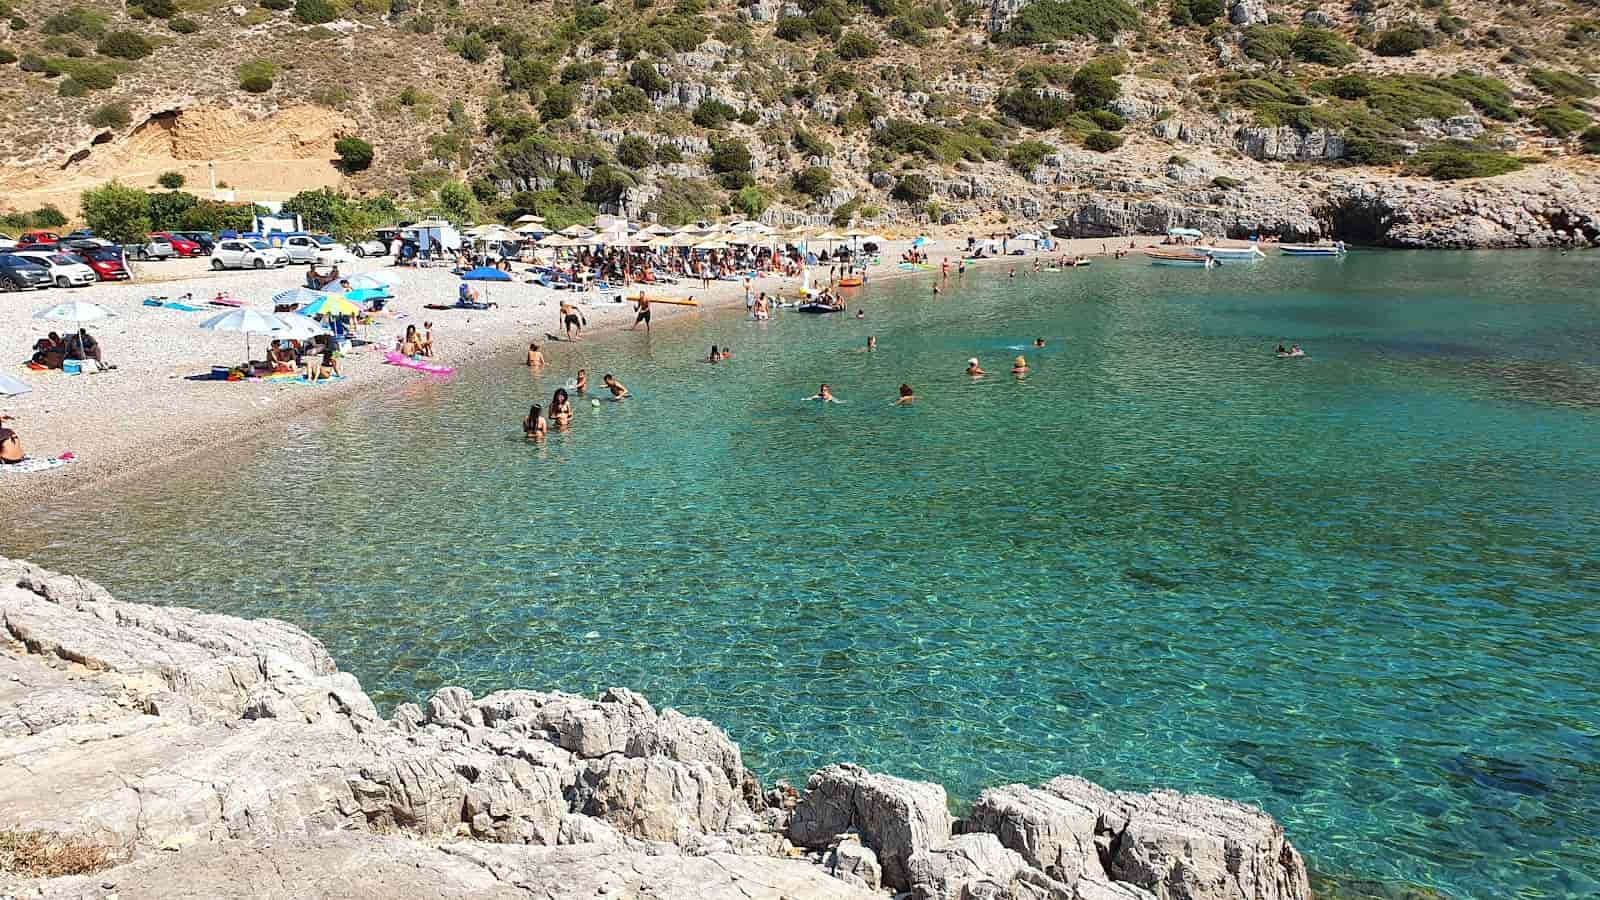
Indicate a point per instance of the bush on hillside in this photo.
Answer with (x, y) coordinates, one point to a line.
(752, 201)
(644, 76)
(256, 76)
(627, 99)
(1364, 151)
(1452, 162)
(1590, 140)
(474, 49)
(1561, 121)
(1093, 87)
(731, 161)
(809, 144)
(1319, 45)
(125, 45)
(155, 9)
(1225, 183)
(1265, 43)
(1044, 21)
(1400, 42)
(1196, 12)
(607, 184)
(85, 23)
(713, 113)
(635, 152)
(1033, 109)
(1107, 120)
(7, 57)
(181, 25)
(355, 154)
(908, 33)
(1562, 84)
(912, 188)
(795, 28)
(277, 5)
(1102, 141)
(314, 12)
(559, 102)
(669, 154)
(111, 115)
(170, 180)
(581, 72)
(813, 181)
(857, 45)
(1026, 156)
(71, 87)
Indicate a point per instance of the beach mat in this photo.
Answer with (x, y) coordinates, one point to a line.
(37, 464)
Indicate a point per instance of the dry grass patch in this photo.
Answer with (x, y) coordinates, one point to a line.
(40, 854)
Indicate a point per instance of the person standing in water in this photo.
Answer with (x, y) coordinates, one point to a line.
(872, 342)
(534, 427)
(907, 397)
(1019, 366)
(975, 370)
(825, 394)
(560, 409)
(582, 385)
(535, 356)
(1038, 343)
(715, 356)
(618, 390)
(572, 321)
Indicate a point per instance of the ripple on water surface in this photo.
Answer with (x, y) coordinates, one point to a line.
(1358, 588)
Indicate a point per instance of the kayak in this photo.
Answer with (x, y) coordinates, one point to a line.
(399, 359)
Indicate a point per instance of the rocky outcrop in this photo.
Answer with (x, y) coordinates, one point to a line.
(218, 756)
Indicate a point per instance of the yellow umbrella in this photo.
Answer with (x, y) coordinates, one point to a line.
(332, 305)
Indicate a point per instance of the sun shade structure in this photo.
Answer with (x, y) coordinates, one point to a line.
(484, 273)
(1183, 232)
(245, 322)
(73, 311)
(299, 296)
(332, 305)
(11, 387)
(576, 231)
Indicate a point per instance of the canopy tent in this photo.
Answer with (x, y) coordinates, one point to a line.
(1184, 232)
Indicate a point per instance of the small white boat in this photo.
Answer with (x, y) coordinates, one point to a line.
(1334, 249)
(1185, 260)
(1234, 253)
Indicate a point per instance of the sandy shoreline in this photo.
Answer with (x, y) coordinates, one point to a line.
(150, 411)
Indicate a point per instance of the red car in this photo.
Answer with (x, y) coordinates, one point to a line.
(106, 263)
(38, 240)
(184, 246)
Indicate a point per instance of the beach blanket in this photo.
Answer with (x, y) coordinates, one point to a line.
(37, 464)
(225, 301)
(171, 304)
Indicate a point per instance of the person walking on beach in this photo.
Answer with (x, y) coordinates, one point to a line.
(534, 427)
(572, 321)
(642, 304)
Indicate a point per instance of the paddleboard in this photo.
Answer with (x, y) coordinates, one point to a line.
(669, 301)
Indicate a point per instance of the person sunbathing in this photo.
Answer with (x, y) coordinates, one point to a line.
(10, 444)
(280, 357)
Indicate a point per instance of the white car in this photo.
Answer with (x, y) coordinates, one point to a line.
(64, 270)
(237, 253)
(315, 249)
(365, 249)
(7, 242)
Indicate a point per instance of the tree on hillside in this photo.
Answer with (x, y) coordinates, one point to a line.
(117, 212)
(354, 153)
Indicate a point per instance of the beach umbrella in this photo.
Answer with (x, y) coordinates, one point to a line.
(332, 305)
(74, 311)
(11, 387)
(656, 229)
(379, 286)
(296, 327)
(244, 321)
(576, 231)
(712, 244)
(484, 273)
(367, 295)
(529, 220)
(298, 296)
(554, 240)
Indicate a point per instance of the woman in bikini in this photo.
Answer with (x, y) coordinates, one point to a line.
(560, 410)
(534, 426)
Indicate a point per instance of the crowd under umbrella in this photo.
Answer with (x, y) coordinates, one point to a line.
(75, 311)
(245, 322)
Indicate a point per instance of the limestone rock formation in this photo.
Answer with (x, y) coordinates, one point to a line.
(895, 817)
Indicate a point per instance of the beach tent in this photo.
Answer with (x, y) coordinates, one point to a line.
(1184, 232)
(431, 233)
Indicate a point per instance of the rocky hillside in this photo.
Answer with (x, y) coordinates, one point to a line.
(1409, 122)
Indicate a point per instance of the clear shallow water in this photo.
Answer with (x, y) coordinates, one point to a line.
(1358, 589)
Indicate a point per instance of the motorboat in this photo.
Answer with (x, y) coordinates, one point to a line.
(1180, 258)
(1240, 254)
(1336, 248)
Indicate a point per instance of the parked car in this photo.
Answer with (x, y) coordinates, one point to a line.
(66, 270)
(21, 274)
(154, 247)
(315, 248)
(106, 262)
(205, 239)
(242, 254)
(365, 249)
(7, 242)
(38, 240)
(181, 245)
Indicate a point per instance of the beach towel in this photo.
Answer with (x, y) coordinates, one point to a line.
(37, 464)
(171, 304)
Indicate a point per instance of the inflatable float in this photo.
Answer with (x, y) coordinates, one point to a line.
(394, 358)
(851, 282)
(669, 301)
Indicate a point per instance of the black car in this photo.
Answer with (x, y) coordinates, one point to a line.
(20, 274)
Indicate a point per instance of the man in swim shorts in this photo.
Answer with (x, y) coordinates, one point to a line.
(571, 321)
(618, 390)
(642, 304)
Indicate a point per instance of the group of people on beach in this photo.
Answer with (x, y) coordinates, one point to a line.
(539, 420)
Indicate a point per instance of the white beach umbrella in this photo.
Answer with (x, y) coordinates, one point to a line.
(576, 231)
(749, 227)
(299, 296)
(711, 245)
(529, 220)
(855, 232)
(74, 311)
(530, 228)
(554, 240)
(244, 321)
(656, 229)
(11, 387)
(296, 327)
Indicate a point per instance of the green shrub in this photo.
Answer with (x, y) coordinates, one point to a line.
(181, 25)
(1452, 162)
(7, 57)
(857, 45)
(1034, 109)
(125, 45)
(626, 99)
(314, 12)
(607, 184)
(1223, 182)
(277, 5)
(647, 78)
(930, 16)
(1590, 140)
(93, 76)
(1319, 45)
(1093, 86)
(751, 200)
(813, 181)
(559, 102)
(1562, 84)
(1265, 43)
(525, 74)
(1561, 121)
(579, 73)
(1364, 151)
(908, 33)
(170, 180)
(1400, 42)
(1026, 156)
(85, 23)
(1107, 120)
(1102, 141)
(155, 9)
(256, 76)
(111, 115)
(71, 87)
(713, 113)
(116, 212)
(680, 201)
(474, 49)
(795, 28)
(355, 154)
(729, 156)
(1044, 21)
(809, 144)
(32, 62)
(913, 188)
(668, 154)
(589, 16)
(1196, 12)
(635, 152)
(1489, 96)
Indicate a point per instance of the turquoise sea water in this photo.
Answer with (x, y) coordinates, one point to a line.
(1359, 589)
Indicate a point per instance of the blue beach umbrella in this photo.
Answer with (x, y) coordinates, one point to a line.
(366, 295)
(484, 273)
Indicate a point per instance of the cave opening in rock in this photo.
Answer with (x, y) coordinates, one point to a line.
(1358, 220)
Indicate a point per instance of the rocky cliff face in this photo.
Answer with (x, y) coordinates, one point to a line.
(221, 757)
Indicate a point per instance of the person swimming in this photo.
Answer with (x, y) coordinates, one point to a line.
(618, 390)
(872, 342)
(1019, 366)
(825, 394)
(861, 314)
(907, 396)
(534, 426)
(1038, 343)
(975, 370)
(715, 355)
(727, 353)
